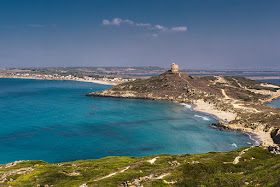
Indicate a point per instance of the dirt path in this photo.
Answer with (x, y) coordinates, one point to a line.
(152, 161)
(235, 104)
(236, 159)
(226, 96)
(112, 174)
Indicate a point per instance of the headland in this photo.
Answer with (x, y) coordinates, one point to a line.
(237, 101)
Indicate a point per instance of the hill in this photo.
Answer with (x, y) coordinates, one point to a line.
(254, 166)
(241, 97)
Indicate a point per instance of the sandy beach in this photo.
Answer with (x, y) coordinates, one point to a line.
(79, 79)
(263, 77)
(200, 105)
(263, 137)
(99, 82)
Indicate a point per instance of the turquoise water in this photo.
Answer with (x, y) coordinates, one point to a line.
(275, 103)
(53, 121)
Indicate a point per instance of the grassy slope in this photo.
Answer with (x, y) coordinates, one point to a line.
(256, 166)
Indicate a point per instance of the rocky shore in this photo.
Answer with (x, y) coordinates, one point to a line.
(264, 137)
(236, 101)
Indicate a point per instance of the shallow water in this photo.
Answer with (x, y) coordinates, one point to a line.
(275, 103)
(53, 121)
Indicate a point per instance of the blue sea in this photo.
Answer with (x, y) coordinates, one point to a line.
(275, 103)
(54, 121)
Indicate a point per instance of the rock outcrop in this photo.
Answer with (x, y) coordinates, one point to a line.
(240, 96)
(275, 135)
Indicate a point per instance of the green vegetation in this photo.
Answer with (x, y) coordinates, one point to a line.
(256, 167)
(248, 83)
(212, 78)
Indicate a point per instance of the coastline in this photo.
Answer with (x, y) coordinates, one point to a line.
(79, 80)
(262, 137)
(200, 106)
(263, 77)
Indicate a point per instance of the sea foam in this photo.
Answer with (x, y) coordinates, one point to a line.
(186, 105)
(257, 142)
(234, 145)
(203, 117)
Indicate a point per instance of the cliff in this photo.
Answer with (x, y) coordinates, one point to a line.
(237, 95)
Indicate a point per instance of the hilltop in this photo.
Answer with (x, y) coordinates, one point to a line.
(240, 99)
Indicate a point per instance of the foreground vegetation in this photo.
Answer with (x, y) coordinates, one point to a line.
(254, 166)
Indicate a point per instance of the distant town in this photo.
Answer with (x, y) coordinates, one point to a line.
(116, 75)
(108, 75)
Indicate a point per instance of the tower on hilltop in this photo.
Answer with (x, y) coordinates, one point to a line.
(174, 68)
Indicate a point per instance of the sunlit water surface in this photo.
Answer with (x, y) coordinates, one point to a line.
(54, 121)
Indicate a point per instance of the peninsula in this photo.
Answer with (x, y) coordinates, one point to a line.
(237, 101)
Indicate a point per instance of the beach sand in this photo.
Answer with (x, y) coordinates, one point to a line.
(79, 79)
(201, 106)
(263, 137)
(98, 82)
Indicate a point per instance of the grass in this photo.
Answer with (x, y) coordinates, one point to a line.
(256, 167)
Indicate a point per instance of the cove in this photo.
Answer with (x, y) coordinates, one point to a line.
(54, 121)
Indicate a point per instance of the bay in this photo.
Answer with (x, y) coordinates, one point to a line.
(54, 121)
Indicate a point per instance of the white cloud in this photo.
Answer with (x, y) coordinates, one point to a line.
(143, 24)
(128, 21)
(179, 29)
(116, 21)
(161, 28)
(156, 28)
(106, 22)
(36, 25)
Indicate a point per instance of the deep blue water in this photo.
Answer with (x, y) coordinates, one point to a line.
(53, 121)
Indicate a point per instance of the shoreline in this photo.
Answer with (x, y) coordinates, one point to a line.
(262, 137)
(79, 80)
(263, 77)
(224, 117)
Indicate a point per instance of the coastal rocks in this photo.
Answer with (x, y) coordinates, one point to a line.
(275, 135)
(24, 171)
(174, 163)
(219, 126)
(137, 182)
(274, 149)
(12, 164)
(238, 109)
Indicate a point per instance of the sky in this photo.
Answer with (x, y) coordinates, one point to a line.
(196, 34)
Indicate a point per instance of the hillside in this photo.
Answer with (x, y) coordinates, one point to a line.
(237, 95)
(183, 87)
(254, 166)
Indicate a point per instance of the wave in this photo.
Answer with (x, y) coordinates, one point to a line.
(203, 117)
(234, 145)
(257, 142)
(186, 105)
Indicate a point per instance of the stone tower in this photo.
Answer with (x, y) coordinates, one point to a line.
(174, 68)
